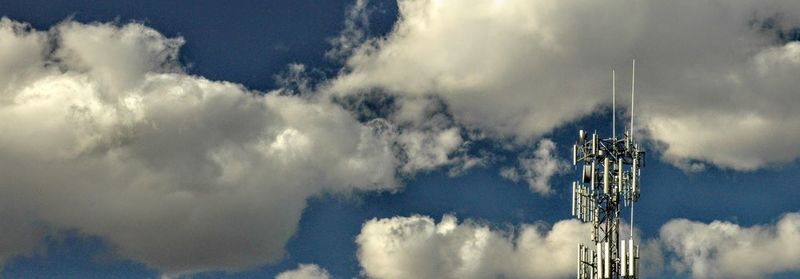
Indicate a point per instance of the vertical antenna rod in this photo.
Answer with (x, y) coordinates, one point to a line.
(633, 93)
(613, 103)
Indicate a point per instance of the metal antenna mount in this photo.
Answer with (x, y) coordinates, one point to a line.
(609, 181)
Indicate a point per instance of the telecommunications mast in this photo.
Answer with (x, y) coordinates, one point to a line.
(608, 181)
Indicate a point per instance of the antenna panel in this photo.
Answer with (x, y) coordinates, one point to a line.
(600, 260)
(620, 175)
(607, 263)
(605, 175)
(623, 259)
(594, 170)
(632, 262)
(635, 180)
(574, 154)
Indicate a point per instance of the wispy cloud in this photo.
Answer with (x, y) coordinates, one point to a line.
(537, 169)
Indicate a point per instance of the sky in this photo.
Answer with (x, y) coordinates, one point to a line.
(390, 139)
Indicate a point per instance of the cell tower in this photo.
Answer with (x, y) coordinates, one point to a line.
(608, 181)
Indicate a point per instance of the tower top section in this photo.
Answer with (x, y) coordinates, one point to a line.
(609, 171)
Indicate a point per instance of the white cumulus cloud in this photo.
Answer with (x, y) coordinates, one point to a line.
(105, 134)
(305, 271)
(716, 79)
(725, 250)
(418, 247)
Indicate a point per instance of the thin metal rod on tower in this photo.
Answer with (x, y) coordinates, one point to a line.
(613, 104)
(633, 94)
(633, 103)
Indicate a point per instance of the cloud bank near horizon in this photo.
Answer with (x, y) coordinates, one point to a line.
(722, 249)
(419, 247)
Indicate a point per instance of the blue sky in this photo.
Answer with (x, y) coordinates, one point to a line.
(468, 90)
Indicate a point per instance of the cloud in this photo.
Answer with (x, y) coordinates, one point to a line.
(104, 133)
(428, 135)
(422, 133)
(475, 57)
(726, 250)
(305, 271)
(353, 34)
(716, 78)
(418, 247)
(538, 170)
